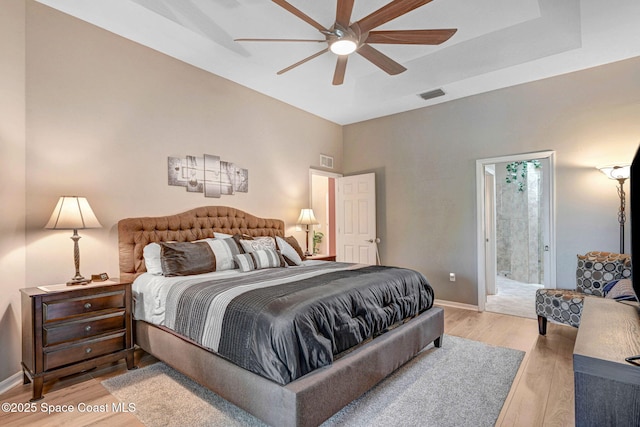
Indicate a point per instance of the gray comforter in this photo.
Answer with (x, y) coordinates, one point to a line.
(284, 323)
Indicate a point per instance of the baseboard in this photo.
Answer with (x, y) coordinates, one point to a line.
(11, 382)
(456, 304)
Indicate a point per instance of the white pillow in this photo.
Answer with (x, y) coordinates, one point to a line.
(151, 254)
(288, 252)
(221, 235)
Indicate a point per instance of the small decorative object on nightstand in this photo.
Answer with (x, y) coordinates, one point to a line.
(66, 330)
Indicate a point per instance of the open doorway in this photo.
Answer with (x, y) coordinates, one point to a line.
(322, 195)
(516, 244)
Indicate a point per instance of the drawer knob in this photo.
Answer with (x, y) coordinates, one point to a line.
(87, 350)
(87, 328)
(87, 305)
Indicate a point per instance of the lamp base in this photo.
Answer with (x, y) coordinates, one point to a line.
(78, 281)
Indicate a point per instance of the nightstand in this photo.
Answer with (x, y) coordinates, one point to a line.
(70, 329)
(322, 257)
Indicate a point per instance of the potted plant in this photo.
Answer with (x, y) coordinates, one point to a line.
(317, 239)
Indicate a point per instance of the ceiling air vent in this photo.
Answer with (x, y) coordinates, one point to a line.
(431, 94)
(326, 161)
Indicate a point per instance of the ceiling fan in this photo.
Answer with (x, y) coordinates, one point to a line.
(345, 37)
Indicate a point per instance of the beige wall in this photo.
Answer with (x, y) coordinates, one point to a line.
(12, 181)
(425, 160)
(104, 114)
(100, 117)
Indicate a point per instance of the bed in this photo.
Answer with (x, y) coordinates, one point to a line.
(305, 399)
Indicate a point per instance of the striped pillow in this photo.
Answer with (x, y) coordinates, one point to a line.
(224, 250)
(257, 260)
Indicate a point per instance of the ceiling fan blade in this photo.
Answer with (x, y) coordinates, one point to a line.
(389, 12)
(278, 40)
(343, 12)
(380, 60)
(430, 37)
(341, 68)
(309, 58)
(299, 14)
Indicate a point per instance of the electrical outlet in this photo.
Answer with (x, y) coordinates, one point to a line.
(452, 277)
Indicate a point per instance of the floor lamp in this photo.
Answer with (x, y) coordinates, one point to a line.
(620, 174)
(73, 213)
(307, 218)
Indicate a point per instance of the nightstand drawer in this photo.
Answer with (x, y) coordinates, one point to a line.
(83, 328)
(84, 350)
(60, 309)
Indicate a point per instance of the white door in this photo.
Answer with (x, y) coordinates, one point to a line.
(545, 208)
(490, 229)
(356, 219)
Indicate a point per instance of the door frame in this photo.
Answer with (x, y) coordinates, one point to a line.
(319, 172)
(480, 216)
(490, 230)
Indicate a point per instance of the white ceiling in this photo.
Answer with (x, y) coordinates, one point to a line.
(499, 43)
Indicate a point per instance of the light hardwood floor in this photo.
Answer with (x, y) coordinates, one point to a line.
(541, 395)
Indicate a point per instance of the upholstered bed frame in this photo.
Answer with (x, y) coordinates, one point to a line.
(307, 401)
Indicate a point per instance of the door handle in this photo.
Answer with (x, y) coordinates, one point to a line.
(376, 240)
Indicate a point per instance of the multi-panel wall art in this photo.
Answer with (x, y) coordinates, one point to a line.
(207, 174)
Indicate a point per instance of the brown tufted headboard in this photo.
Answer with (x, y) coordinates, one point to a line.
(200, 223)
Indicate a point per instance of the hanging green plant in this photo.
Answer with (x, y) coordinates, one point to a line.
(517, 172)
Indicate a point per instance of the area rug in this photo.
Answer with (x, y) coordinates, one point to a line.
(463, 383)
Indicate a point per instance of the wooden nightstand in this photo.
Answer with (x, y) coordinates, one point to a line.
(66, 330)
(322, 257)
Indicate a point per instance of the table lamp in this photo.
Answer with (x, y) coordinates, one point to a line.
(307, 218)
(73, 213)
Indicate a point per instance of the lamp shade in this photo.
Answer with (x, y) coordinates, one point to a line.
(72, 213)
(616, 172)
(307, 217)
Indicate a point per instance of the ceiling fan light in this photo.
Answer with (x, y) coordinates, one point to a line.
(343, 47)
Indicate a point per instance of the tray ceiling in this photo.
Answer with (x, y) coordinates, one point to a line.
(499, 43)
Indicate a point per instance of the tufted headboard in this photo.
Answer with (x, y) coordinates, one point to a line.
(200, 223)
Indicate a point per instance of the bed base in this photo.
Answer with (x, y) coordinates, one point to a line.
(309, 400)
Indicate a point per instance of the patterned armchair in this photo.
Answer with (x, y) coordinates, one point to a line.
(596, 274)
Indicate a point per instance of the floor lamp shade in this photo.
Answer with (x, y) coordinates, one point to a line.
(620, 173)
(307, 218)
(73, 213)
